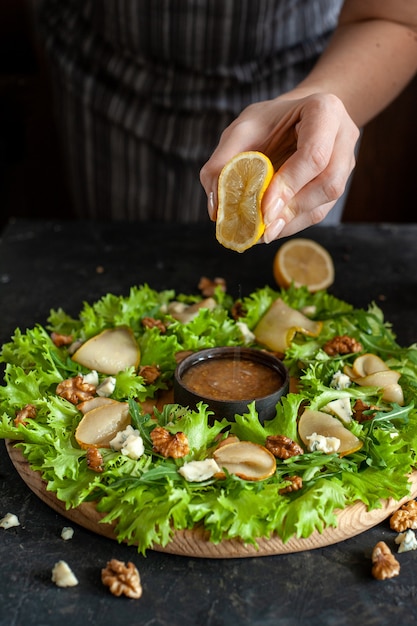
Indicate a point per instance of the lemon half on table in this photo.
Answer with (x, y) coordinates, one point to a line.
(242, 184)
(303, 262)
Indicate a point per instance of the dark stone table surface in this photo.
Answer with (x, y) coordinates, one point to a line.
(46, 265)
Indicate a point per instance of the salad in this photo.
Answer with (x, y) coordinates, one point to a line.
(148, 495)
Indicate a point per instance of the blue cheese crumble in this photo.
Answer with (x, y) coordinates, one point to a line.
(128, 442)
(340, 381)
(407, 541)
(323, 444)
(198, 471)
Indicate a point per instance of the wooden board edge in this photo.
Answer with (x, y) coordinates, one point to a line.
(351, 521)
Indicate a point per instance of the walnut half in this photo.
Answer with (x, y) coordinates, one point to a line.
(342, 344)
(151, 322)
(385, 565)
(169, 445)
(61, 340)
(208, 286)
(283, 447)
(75, 389)
(94, 460)
(294, 484)
(405, 517)
(122, 579)
(149, 373)
(28, 412)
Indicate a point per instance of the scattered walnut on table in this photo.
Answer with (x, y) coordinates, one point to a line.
(296, 483)
(385, 565)
(149, 373)
(122, 579)
(169, 445)
(28, 412)
(94, 460)
(61, 340)
(208, 286)
(405, 517)
(342, 344)
(283, 447)
(75, 390)
(151, 322)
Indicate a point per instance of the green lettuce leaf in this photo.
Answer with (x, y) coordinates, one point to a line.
(147, 499)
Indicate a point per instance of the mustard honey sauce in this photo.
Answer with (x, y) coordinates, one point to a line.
(232, 379)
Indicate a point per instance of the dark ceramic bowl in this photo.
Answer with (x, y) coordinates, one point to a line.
(229, 391)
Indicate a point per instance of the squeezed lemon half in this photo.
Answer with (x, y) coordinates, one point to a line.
(242, 184)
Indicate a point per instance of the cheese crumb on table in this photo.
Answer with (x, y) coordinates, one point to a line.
(67, 533)
(63, 576)
(9, 521)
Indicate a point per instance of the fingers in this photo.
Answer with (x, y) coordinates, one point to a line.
(305, 219)
(292, 222)
(306, 187)
(312, 203)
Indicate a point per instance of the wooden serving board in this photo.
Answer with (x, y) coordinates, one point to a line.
(195, 543)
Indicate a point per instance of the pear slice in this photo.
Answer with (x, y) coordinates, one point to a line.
(93, 403)
(369, 370)
(277, 327)
(101, 424)
(326, 425)
(245, 459)
(349, 372)
(368, 364)
(109, 352)
(379, 379)
(393, 393)
(186, 312)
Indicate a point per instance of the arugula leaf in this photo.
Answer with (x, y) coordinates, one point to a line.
(398, 415)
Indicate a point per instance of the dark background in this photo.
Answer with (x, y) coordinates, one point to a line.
(32, 179)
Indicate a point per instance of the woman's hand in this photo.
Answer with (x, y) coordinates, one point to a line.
(311, 142)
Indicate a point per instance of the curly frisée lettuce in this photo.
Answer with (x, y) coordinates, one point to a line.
(146, 498)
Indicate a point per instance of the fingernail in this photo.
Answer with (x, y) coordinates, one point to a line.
(273, 212)
(272, 232)
(210, 204)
